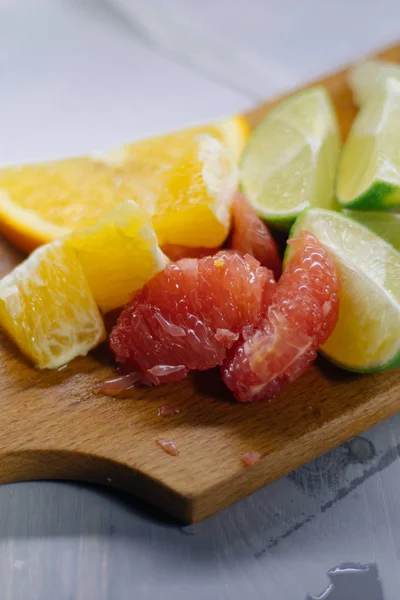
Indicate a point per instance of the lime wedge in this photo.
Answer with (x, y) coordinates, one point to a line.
(369, 169)
(366, 77)
(367, 335)
(290, 161)
(387, 225)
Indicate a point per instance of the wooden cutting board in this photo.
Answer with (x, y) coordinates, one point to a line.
(55, 426)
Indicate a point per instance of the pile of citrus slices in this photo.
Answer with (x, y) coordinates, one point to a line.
(173, 232)
(99, 223)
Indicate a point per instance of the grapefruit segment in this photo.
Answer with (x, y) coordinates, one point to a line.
(189, 315)
(302, 314)
(250, 235)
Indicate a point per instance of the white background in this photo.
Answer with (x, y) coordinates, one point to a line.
(81, 75)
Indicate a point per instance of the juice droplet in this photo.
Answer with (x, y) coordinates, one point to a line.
(117, 385)
(168, 446)
(249, 459)
(167, 410)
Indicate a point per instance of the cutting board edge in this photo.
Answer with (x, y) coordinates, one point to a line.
(68, 465)
(188, 500)
(73, 464)
(202, 507)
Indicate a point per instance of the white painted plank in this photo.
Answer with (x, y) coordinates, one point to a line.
(264, 46)
(72, 81)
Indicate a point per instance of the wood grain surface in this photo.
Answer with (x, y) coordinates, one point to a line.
(56, 426)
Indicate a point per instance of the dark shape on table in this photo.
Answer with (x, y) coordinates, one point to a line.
(351, 581)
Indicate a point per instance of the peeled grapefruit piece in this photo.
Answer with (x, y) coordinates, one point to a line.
(190, 314)
(250, 235)
(302, 314)
(175, 252)
(366, 338)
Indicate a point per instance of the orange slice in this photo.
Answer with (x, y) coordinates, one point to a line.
(48, 309)
(164, 150)
(48, 304)
(194, 208)
(40, 203)
(119, 255)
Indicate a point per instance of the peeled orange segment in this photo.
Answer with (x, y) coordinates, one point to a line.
(40, 203)
(195, 207)
(48, 309)
(119, 255)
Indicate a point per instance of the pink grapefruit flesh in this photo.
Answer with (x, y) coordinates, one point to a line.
(251, 236)
(189, 315)
(302, 314)
(176, 253)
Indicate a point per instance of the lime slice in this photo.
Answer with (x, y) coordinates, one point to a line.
(366, 77)
(290, 161)
(367, 335)
(369, 169)
(387, 225)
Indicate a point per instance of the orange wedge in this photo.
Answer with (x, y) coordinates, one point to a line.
(194, 208)
(119, 254)
(40, 203)
(48, 304)
(164, 150)
(48, 309)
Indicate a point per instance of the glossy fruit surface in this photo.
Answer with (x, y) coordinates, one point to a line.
(302, 314)
(190, 314)
(250, 235)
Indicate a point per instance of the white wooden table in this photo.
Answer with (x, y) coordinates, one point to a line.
(81, 75)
